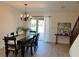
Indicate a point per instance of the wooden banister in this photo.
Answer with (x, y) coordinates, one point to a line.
(74, 32)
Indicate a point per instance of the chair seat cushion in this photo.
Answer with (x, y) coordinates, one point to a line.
(12, 49)
(11, 42)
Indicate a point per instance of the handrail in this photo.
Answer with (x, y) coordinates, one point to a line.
(75, 24)
(74, 32)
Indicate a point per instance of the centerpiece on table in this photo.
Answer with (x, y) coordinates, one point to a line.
(23, 30)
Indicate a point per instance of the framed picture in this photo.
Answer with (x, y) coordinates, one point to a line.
(64, 28)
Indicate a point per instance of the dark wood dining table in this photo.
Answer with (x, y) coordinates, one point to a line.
(22, 40)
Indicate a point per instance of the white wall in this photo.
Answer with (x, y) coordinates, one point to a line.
(51, 25)
(9, 21)
(74, 50)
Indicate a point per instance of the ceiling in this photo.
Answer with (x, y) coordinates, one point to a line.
(45, 6)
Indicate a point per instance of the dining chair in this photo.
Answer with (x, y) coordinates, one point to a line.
(11, 45)
(30, 45)
(33, 43)
(36, 40)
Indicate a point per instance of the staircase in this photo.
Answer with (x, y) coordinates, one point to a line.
(74, 32)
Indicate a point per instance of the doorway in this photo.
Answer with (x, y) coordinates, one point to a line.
(37, 24)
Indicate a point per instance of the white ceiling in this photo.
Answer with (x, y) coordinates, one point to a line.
(45, 6)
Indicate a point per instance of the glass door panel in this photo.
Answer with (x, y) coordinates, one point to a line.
(33, 25)
(41, 29)
(40, 26)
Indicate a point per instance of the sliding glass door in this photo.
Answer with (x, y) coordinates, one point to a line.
(41, 29)
(33, 25)
(37, 24)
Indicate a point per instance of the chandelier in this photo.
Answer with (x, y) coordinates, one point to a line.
(25, 16)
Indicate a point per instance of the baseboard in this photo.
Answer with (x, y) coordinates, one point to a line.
(55, 42)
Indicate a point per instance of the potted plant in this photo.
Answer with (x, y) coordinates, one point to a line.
(23, 29)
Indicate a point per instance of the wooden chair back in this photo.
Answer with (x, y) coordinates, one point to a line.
(10, 44)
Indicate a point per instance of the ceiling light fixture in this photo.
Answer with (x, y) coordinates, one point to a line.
(25, 16)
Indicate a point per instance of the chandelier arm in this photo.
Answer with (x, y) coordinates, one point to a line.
(25, 9)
